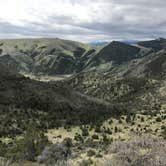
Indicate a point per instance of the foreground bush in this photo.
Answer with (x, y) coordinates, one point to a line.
(5, 162)
(57, 153)
(138, 152)
(29, 146)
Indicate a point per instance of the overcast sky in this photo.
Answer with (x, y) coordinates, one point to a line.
(83, 20)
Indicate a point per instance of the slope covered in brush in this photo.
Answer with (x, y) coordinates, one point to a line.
(115, 52)
(48, 104)
(140, 82)
(156, 45)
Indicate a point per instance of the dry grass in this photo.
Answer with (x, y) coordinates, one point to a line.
(148, 126)
(138, 151)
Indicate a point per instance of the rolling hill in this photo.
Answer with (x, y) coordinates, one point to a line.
(59, 57)
(48, 104)
(116, 73)
(45, 56)
(138, 82)
(114, 93)
(156, 45)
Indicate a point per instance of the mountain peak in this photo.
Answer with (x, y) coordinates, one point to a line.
(160, 39)
(117, 52)
(156, 45)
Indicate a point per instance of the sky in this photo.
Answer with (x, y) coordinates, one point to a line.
(83, 20)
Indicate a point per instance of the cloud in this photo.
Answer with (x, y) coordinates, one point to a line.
(83, 20)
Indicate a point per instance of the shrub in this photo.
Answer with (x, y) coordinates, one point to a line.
(6, 162)
(163, 127)
(91, 153)
(128, 153)
(85, 132)
(158, 119)
(30, 146)
(142, 119)
(78, 138)
(3, 149)
(1, 51)
(116, 129)
(128, 118)
(56, 153)
(99, 155)
(106, 140)
(95, 136)
(97, 129)
(108, 131)
(164, 133)
(120, 121)
(87, 162)
(110, 121)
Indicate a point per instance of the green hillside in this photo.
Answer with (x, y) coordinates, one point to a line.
(138, 83)
(156, 45)
(58, 57)
(49, 104)
(45, 56)
(111, 110)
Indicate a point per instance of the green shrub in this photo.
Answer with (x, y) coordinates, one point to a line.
(95, 136)
(85, 132)
(164, 133)
(111, 121)
(163, 127)
(128, 118)
(116, 129)
(106, 140)
(56, 153)
(120, 121)
(158, 119)
(97, 129)
(3, 148)
(87, 162)
(99, 155)
(91, 153)
(78, 138)
(29, 146)
(142, 119)
(1, 51)
(108, 131)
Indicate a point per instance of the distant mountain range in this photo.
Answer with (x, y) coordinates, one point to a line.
(98, 43)
(103, 43)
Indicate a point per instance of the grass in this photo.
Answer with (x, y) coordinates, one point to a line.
(143, 126)
(27, 163)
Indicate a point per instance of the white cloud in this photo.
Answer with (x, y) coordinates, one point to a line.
(83, 20)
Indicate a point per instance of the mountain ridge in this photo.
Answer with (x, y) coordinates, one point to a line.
(58, 57)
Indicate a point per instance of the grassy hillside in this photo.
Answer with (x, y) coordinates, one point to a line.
(48, 104)
(58, 57)
(117, 52)
(156, 45)
(112, 111)
(45, 56)
(139, 81)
